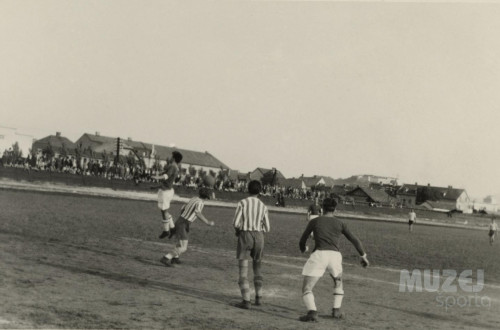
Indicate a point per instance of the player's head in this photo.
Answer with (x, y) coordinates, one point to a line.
(204, 193)
(177, 156)
(254, 187)
(329, 205)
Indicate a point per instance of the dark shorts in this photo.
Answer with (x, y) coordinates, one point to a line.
(411, 222)
(491, 233)
(182, 228)
(250, 244)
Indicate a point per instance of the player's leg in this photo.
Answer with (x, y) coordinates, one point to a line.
(257, 254)
(181, 246)
(242, 254)
(257, 281)
(335, 269)
(244, 284)
(312, 272)
(338, 295)
(308, 298)
(164, 199)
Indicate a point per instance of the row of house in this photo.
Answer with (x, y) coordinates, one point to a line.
(377, 190)
(97, 147)
(370, 189)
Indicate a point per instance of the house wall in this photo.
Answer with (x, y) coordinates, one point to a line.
(407, 200)
(463, 203)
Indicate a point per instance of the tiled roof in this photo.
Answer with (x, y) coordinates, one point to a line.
(56, 141)
(293, 183)
(189, 156)
(442, 193)
(379, 196)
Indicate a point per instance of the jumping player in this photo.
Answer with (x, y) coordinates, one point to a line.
(189, 213)
(250, 223)
(166, 191)
(327, 230)
(493, 230)
(412, 219)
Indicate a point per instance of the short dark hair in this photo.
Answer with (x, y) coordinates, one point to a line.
(254, 187)
(329, 205)
(177, 156)
(204, 193)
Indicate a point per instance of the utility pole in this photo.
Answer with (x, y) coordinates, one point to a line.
(118, 147)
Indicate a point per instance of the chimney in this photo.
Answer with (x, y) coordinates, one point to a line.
(416, 183)
(129, 139)
(58, 133)
(450, 187)
(428, 185)
(97, 133)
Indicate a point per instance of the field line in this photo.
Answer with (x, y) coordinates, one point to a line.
(225, 253)
(143, 196)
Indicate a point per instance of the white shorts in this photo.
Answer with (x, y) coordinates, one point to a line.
(164, 198)
(321, 260)
(313, 216)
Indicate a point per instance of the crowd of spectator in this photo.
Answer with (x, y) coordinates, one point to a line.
(124, 170)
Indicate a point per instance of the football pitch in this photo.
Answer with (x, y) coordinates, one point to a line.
(70, 261)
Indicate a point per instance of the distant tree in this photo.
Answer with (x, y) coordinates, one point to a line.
(192, 170)
(131, 161)
(64, 150)
(17, 153)
(48, 151)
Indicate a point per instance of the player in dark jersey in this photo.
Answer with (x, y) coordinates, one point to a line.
(327, 230)
(314, 210)
(166, 191)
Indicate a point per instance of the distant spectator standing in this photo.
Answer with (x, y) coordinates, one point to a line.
(493, 230)
(412, 219)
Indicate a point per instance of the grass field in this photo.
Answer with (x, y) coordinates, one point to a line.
(88, 262)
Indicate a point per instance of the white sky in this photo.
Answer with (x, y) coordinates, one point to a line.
(333, 88)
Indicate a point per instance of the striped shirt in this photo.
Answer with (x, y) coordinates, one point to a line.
(189, 210)
(251, 215)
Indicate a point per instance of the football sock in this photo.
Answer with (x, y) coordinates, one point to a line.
(338, 292)
(166, 225)
(308, 299)
(257, 278)
(171, 222)
(243, 281)
(169, 256)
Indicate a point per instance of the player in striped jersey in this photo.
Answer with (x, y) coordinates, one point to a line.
(191, 211)
(250, 222)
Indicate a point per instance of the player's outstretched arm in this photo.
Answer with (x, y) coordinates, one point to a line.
(358, 245)
(204, 219)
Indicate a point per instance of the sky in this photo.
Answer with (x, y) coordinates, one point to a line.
(401, 89)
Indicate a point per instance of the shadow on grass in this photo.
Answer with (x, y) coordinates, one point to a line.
(210, 296)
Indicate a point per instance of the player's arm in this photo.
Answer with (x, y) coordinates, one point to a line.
(237, 219)
(203, 218)
(267, 225)
(305, 235)
(357, 244)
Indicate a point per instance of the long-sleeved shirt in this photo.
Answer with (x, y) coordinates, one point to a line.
(251, 215)
(327, 233)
